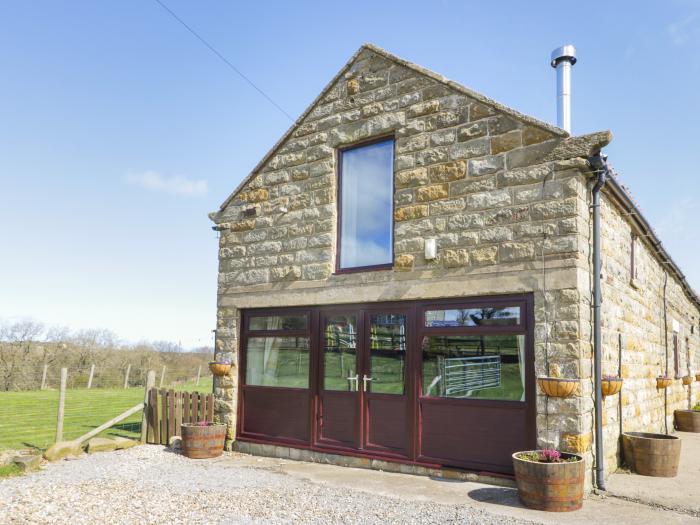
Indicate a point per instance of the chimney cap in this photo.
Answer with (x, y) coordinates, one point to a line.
(566, 52)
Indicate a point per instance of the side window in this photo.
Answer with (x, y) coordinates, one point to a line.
(366, 206)
(676, 357)
(634, 261)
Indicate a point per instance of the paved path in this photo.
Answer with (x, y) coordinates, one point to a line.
(679, 493)
(149, 484)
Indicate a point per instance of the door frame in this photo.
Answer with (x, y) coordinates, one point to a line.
(415, 331)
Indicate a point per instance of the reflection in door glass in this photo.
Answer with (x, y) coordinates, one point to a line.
(340, 353)
(474, 366)
(388, 353)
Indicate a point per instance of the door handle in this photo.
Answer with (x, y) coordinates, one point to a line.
(364, 381)
(356, 379)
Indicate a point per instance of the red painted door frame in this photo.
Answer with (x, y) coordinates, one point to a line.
(413, 388)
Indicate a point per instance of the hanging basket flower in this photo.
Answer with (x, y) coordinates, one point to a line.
(220, 368)
(687, 380)
(557, 386)
(611, 385)
(663, 382)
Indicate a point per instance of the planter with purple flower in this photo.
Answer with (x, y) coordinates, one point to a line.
(203, 440)
(611, 385)
(549, 480)
(220, 368)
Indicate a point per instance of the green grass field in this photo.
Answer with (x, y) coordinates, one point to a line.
(28, 418)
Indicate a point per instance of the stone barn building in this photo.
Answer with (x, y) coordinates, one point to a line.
(411, 256)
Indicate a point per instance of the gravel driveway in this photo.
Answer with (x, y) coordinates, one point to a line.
(150, 484)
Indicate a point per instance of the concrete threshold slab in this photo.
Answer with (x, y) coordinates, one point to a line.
(497, 500)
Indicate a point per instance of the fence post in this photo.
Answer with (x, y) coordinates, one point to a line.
(92, 373)
(199, 374)
(150, 383)
(43, 377)
(126, 376)
(162, 377)
(61, 405)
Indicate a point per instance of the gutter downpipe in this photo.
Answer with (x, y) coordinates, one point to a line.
(600, 166)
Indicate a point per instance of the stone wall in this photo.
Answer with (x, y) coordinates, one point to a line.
(501, 193)
(635, 334)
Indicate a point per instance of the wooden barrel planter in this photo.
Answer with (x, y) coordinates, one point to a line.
(554, 487)
(219, 369)
(610, 387)
(203, 442)
(652, 454)
(557, 386)
(687, 420)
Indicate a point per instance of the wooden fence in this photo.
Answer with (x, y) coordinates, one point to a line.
(167, 410)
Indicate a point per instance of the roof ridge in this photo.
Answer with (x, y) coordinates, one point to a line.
(402, 62)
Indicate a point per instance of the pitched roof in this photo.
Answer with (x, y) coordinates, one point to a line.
(419, 69)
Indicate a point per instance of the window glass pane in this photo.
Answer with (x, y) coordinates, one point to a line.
(503, 316)
(278, 322)
(475, 367)
(388, 353)
(367, 205)
(340, 353)
(278, 361)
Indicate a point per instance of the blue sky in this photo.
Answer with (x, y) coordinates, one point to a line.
(119, 131)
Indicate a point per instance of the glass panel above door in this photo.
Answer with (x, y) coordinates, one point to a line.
(387, 339)
(461, 317)
(474, 367)
(340, 353)
(278, 322)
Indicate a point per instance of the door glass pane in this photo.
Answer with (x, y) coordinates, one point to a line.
(501, 316)
(388, 353)
(278, 322)
(340, 353)
(476, 367)
(277, 361)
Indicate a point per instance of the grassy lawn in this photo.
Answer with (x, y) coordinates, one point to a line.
(28, 419)
(7, 471)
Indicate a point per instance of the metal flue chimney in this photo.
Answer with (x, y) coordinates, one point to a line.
(562, 59)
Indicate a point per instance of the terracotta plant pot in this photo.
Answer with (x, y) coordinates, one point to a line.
(687, 420)
(663, 382)
(652, 454)
(219, 369)
(200, 442)
(557, 387)
(687, 380)
(555, 487)
(611, 387)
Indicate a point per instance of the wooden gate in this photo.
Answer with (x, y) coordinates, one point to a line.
(167, 410)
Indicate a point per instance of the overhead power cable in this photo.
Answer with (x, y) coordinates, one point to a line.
(223, 59)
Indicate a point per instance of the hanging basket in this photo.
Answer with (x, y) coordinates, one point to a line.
(687, 380)
(663, 382)
(611, 386)
(219, 369)
(557, 386)
(697, 377)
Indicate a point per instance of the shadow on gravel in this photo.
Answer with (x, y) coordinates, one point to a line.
(498, 495)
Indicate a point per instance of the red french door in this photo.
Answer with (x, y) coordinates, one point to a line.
(364, 380)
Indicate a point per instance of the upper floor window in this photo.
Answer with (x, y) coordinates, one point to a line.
(366, 182)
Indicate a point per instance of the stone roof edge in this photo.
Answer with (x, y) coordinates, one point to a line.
(419, 69)
(624, 200)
